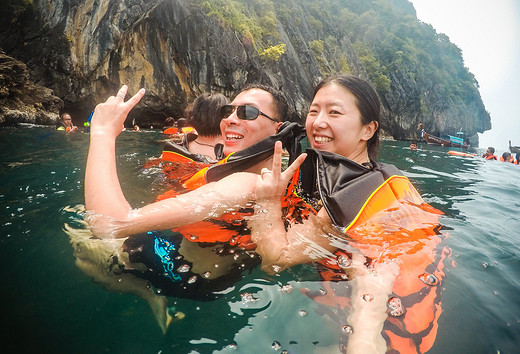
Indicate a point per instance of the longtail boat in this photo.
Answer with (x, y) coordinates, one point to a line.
(514, 149)
(452, 141)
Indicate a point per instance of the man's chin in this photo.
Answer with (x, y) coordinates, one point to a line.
(234, 146)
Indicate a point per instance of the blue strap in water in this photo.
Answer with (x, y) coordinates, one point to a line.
(163, 248)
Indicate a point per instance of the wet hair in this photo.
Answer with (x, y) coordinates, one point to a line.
(280, 100)
(169, 122)
(492, 149)
(181, 122)
(203, 114)
(367, 102)
(506, 156)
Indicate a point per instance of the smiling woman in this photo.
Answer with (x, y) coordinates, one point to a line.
(340, 186)
(337, 125)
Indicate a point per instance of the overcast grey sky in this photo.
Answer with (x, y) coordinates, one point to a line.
(488, 33)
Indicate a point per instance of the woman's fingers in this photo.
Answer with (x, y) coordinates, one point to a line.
(277, 160)
(291, 170)
(279, 177)
(271, 185)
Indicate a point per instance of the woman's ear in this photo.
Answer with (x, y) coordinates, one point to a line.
(370, 129)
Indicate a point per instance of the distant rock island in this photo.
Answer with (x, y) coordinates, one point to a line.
(71, 55)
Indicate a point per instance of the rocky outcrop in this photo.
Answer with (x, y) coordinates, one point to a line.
(84, 51)
(21, 100)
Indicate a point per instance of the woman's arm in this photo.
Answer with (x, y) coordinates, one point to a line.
(301, 243)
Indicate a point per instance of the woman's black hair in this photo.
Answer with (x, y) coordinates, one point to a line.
(203, 113)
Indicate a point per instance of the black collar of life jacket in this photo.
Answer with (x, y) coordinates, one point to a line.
(342, 184)
(289, 134)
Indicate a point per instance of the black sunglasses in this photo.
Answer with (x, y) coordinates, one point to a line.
(244, 112)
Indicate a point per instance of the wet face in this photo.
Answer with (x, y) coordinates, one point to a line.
(239, 134)
(334, 124)
(67, 120)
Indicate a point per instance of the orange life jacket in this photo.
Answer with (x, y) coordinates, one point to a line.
(392, 223)
(183, 130)
(491, 157)
(511, 159)
(232, 227)
(383, 215)
(170, 130)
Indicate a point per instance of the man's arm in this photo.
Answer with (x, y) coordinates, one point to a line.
(110, 214)
(103, 193)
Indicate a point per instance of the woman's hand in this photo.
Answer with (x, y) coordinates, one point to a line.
(109, 117)
(271, 185)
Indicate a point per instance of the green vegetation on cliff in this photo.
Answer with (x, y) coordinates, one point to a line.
(387, 38)
(255, 20)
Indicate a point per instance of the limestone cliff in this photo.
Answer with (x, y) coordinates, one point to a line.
(22, 101)
(177, 49)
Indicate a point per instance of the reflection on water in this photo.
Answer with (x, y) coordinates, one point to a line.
(53, 306)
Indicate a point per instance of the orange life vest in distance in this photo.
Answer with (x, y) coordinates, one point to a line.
(491, 157)
(183, 130)
(511, 159)
(170, 130)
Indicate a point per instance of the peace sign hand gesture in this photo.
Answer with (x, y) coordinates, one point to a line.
(271, 185)
(109, 117)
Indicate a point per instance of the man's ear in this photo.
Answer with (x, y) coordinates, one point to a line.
(370, 129)
(278, 125)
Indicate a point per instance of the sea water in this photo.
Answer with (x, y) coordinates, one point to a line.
(50, 306)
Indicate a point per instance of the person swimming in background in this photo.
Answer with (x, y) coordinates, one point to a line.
(169, 122)
(490, 154)
(507, 157)
(203, 115)
(187, 153)
(183, 126)
(65, 123)
(413, 145)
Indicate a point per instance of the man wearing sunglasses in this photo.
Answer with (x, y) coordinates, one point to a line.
(257, 112)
